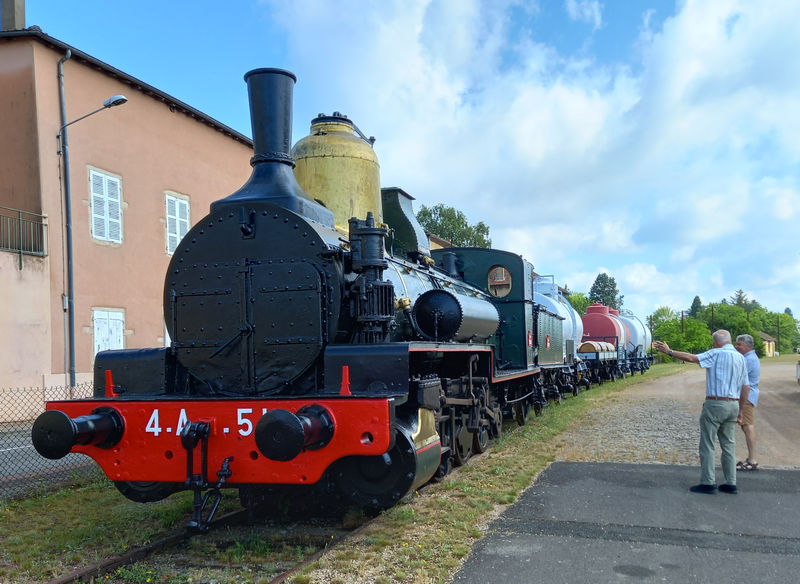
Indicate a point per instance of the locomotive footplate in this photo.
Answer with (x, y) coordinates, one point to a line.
(151, 449)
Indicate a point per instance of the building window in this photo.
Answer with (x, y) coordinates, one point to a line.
(106, 203)
(109, 329)
(177, 221)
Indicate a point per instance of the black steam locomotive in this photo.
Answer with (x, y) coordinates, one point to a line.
(317, 340)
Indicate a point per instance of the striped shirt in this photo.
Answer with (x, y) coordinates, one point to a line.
(726, 371)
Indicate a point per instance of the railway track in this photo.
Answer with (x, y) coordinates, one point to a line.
(236, 546)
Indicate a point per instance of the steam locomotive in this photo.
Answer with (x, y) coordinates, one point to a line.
(318, 342)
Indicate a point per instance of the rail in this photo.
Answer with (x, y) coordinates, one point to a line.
(23, 233)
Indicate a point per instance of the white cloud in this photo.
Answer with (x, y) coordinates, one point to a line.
(590, 11)
(654, 169)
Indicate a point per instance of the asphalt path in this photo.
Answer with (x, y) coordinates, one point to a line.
(609, 523)
(617, 522)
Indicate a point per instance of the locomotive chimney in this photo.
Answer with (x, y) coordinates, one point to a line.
(272, 181)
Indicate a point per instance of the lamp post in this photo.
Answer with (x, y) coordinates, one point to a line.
(64, 152)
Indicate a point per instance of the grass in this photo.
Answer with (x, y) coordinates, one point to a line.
(49, 535)
(421, 540)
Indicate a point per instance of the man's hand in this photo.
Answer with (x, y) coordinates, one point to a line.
(661, 346)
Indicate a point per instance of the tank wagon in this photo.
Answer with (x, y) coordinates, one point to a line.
(614, 344)
(319, 347)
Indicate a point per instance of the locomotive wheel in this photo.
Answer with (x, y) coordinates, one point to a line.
(462, 447)
(522, 412)
(480, 440)
(496, 424)
(445, 466)
(375, 483)
(146, 492)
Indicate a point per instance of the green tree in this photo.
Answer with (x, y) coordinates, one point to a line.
(696, 306)
(604, 290)
(450, 223)
(661, 315)
(736, 320)
(579, 302)
(691, 336)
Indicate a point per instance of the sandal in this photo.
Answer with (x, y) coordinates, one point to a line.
(746, 465)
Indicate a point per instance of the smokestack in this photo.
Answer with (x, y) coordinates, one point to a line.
(272, 181)
(12, 15)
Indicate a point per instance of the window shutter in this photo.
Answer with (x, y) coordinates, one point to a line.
(98, 206)
(109, 330)
(106, 200)
(177, 221)
(114, 210)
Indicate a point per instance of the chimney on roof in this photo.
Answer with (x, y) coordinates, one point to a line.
(12, 15)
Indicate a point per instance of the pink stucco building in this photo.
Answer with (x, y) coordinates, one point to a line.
(139, 175)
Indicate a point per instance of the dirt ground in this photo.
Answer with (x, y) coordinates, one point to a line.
(657, 421)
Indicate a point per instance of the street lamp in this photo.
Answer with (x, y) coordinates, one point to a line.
(64, 152)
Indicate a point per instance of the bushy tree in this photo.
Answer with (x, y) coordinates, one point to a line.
(691, 336)
(661, 315)
(579, 302)
(696, 306)
(450, 223)
(604, 290)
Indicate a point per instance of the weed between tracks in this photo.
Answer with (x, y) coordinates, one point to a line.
(422, 540)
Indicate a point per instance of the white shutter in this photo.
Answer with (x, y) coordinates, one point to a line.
(106, 200)
(101, 331)
(98, 206)
(177, 221)
(109, 330)
(114, 210)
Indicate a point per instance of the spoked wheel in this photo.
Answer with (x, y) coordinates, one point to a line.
(480, 440)
(522, 412)
(496, 424)
(462, 445)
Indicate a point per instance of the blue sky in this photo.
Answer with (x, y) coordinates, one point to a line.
(656, 141)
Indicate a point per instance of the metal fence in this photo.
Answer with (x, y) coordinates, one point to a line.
(23, 232)
(23, 471)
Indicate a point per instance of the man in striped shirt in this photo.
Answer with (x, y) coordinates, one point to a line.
(727, 387)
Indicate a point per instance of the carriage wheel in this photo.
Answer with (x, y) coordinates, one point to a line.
(480, 440)
(462, 445)
(522, 412)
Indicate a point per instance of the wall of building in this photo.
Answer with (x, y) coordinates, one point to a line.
(152, 148)
(19, 163)
(26, 339)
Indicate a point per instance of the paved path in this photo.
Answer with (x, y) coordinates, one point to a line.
(631, 518)
(606, 522)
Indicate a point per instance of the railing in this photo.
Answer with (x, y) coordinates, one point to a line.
(23, 233)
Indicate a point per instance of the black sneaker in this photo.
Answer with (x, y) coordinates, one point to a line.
(729, 489)
(707, 489)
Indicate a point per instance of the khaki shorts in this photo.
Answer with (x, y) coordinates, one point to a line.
(748, 412)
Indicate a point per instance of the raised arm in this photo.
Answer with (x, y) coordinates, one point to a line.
(683, 356)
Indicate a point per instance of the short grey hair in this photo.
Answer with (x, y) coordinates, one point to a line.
(747, 340)
(722, 336)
